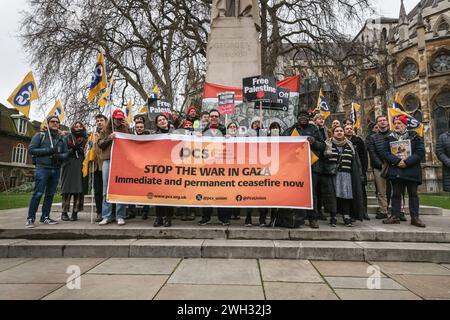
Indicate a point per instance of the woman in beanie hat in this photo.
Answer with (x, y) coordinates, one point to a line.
(404, 169)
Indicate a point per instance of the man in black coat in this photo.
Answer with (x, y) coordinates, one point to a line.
(304, 128)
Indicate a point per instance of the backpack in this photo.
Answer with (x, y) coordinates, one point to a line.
(41, 140)
(289, 218)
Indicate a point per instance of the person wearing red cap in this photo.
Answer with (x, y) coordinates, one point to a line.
(404, 169)
(191, 114)
(116, 124)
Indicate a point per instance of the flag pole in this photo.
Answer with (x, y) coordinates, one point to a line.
(260, 114)
(92, 188)
(46, 118)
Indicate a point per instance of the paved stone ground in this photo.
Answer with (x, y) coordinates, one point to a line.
(220, 279)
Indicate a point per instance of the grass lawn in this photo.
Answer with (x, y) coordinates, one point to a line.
(435, 200)
(19, 200)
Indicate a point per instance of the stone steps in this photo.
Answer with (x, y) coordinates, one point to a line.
(424, 210)
(138, 229)
(372, 209)
(217, 248)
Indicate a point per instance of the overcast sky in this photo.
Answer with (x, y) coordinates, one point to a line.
(14, 65)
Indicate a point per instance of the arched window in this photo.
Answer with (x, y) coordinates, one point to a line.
(19, 154)
(371, 87)
(443, 26)
(411, 103)
(441, 113)
(384, 34)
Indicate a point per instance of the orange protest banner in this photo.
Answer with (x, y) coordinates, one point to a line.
(180, 170)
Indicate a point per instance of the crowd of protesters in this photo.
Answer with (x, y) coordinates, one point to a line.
(339, 174)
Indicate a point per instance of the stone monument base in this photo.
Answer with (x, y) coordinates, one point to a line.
(233, 51)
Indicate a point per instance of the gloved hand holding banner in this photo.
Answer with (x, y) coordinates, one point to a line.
(189, 171)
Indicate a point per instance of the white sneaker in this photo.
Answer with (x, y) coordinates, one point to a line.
(30, 224)
(104, 222)
(120, 222)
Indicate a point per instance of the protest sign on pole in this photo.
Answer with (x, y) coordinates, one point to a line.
(226, 103)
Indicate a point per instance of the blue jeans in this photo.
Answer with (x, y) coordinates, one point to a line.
(46, 181)
(107, 207)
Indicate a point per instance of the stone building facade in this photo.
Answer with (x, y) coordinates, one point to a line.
(408, 56)
(16, 131)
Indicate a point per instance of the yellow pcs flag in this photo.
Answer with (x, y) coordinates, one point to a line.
(155, 94)
(322, 105)
(129, 112)
(57, 110)
(98, 80)
(24, 94)
(397, 103)
(144, 109)
(413, 123)
(314, 157)
(106, 96)
(89, 156)
(356, 115)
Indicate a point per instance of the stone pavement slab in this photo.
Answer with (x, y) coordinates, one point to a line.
(112, 287)
(362, 283)
(359, 294)
(210, 292)
(343, 268)
(425, 286)
(26, 291)
(289, 271)
(298, 291)
(447, 266)
(46, 270)
(130, 266)
(422, 268)
(217, 271)
(9, 263)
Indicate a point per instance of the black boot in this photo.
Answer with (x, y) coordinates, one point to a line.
(403, 217)
(74, 216)
(168, 222)
(158, 222)
(366, 216)
(144, 216)
(65, 216)
(99, 218)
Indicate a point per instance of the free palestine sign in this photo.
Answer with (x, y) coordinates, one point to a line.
(260, 88)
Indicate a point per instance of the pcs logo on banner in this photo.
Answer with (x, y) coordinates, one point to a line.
(23, 97)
